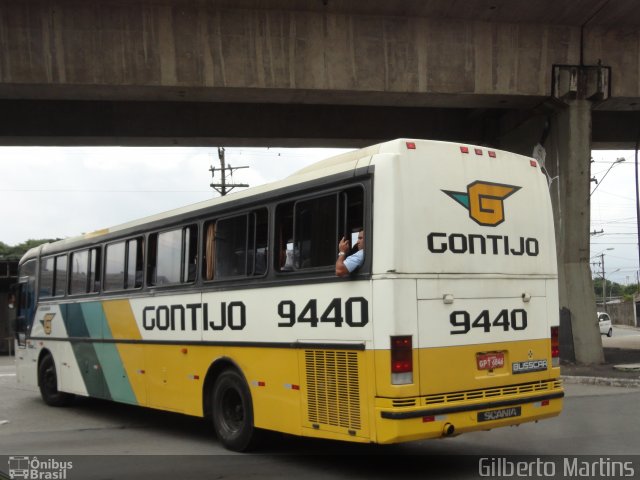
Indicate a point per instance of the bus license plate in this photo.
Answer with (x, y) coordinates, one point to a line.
(489, 361)
(499, 414)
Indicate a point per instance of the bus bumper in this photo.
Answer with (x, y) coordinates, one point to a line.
(402, 424)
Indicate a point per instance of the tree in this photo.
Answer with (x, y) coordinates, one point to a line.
(16, 252)
(614, 290)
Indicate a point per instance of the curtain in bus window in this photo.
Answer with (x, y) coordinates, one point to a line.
(209, 255)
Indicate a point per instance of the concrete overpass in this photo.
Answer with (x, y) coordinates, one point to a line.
(507, 73)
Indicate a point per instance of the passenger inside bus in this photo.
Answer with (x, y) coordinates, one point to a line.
(346, 264)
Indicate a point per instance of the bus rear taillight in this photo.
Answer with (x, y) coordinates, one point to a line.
(555, 346)
(401, 360)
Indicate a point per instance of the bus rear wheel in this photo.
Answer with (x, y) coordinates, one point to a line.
(233, 412)
(48, 383)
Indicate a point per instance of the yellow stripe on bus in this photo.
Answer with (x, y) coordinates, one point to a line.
(123, 325)
(121, 320)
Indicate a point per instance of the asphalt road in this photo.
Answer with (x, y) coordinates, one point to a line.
(105, 440)
(625, 332)
(623, 337)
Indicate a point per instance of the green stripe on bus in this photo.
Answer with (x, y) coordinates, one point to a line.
(111, 366)
(114, 373)
(94, 319)
(73, 317)
(91, 370)
(74, 320)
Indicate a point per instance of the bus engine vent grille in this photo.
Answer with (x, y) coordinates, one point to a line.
(404, 402)
(487, 393)
(333, 389)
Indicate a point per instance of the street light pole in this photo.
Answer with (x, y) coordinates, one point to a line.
(618, 160)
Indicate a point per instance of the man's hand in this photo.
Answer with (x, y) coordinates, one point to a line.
(344, 246)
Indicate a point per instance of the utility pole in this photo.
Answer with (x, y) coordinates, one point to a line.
(604, 285)
(224, 186)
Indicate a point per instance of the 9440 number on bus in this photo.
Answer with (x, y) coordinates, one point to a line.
(462, 321)
(353, 312)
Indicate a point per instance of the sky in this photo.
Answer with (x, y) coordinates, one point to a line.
(613, 216)
(59, 192)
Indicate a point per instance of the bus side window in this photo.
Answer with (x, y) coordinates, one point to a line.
(94, 270)
(320, 223)
(284, 257)
(189, 253)
(79, 272)
(60, 282)
(135, 263)
(152, 255)
(236, 246)
(173, 256)
(316, 232)
(47, 272)
(231, 246)
(259, 239)
(114, 266)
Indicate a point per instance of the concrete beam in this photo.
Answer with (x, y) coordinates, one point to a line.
(29, 122)
(200, 45)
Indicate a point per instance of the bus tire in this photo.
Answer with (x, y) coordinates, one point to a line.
(232, 412)
(48, 383)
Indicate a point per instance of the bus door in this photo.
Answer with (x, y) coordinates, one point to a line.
(26, 306)
(25, 311)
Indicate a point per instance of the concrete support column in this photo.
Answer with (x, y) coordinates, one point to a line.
(568, 163)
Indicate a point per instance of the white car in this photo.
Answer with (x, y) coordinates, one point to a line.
(605, 324)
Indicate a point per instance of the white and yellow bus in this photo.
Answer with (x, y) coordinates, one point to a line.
(230, 309)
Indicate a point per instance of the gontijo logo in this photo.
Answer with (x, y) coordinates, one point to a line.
(484, 201)
(46, 322)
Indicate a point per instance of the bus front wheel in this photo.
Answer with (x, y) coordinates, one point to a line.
(48, 383)
(233, 412)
